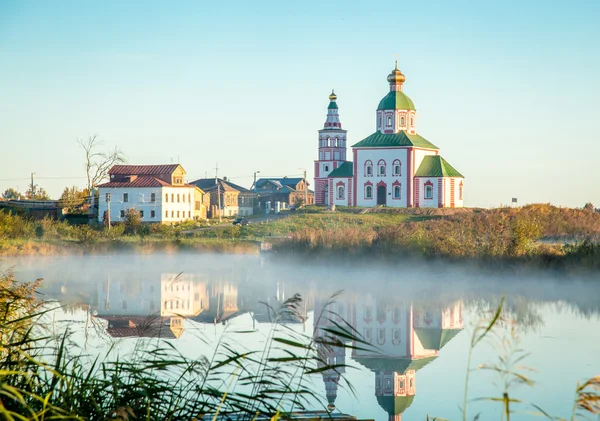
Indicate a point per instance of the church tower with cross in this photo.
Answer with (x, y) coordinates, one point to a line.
(393, 167)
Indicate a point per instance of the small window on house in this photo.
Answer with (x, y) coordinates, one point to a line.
(172, 197)
(189, 197)
(122, 214)
(166, 197)
(402, 384)
(428, 192)
(152, 214)
(326, 168)
(389, 121)
(382, 170)
(368, 192)
(460, 192)
(153, 197)
(379, 121)
(396, 335)
(189, 214)
(396, 192)
(141, 214)
(402, 121)
(183, 198)
(388, 383)
(412, 122)
(397, 170)
(177, 197)
(369, 170)
(178, 214)
(172, 214)
(341, 193)
(125, 197)
(166, 214)
(411, 383)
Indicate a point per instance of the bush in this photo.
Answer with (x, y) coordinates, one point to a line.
(133, 221)
(85, 234)
(115, 232)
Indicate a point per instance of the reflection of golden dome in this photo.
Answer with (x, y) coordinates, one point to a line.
(333, 96)
(396, 76)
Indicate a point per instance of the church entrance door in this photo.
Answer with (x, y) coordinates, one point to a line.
(381, 195)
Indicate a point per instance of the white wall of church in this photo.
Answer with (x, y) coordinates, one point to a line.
(340, 198)
(388, 155)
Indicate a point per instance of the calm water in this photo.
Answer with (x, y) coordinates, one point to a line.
(419, 317)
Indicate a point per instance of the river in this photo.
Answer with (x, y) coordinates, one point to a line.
(419, 317)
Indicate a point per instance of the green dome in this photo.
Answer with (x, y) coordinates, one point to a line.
(396, 100)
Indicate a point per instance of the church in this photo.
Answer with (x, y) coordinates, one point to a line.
(393, 167)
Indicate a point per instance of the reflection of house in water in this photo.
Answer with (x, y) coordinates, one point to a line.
(406, 339)
(271, 309)
(222, 303)
(182, 295)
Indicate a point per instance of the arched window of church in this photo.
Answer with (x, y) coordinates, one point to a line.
(381, 168)
(389, 121)
(428, 192)
(397, 165)
(341, 192)
(402, 121)
(368, 192)
(368, 168)
(412, 122)
(379, 120)
(326, 168)
(396, 192)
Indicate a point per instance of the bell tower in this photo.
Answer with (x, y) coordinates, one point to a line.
(331, 150)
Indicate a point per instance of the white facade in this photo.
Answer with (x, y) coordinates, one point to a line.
(340, 191)
(155, 204)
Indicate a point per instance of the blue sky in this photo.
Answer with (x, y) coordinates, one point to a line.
(508, 90)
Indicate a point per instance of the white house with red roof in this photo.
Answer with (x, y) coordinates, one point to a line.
(394, 167)
(158, 192)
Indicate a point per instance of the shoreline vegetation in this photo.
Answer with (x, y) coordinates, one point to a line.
(539, 235)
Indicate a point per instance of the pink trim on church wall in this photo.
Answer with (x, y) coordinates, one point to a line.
(440, 193)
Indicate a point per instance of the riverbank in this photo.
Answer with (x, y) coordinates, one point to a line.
(536, 235)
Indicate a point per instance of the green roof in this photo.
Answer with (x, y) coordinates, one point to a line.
(435, 338)
(398, 365)
(386, 140)
(395, 405)
(344, 170)
(396, 100)
(436, 166)
(332, 105)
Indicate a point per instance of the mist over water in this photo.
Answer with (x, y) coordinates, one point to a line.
(418, 316)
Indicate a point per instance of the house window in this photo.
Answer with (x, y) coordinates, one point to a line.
(166, 214)
(152, 214)
(460, 191)
(177, 197)
(153, 197)
(341, 192)
(172, 197)
(189, 214)
(166, 197)
(172, 214)
(178, 214)
(402, 121)
(183, 198)
(125, 197)
(141, 214)
(197, 206)
(368, 192)
(389, 121)
(396, 192)
(381, 168)
(428, 192)
(122, 214)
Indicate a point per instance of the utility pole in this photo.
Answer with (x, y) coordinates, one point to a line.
(254, 192)
(32, 187)
(108, 209)
(218, 189)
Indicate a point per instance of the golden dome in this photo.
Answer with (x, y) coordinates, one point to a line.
(396, 76)
(333, 96)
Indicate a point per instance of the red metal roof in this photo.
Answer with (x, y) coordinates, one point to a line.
(138, 182)
(143, 169)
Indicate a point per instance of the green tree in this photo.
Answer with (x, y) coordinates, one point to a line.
(11, 194)
(37, 194)
(72, 198)
(133, 220)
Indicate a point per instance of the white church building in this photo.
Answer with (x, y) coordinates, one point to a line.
(393, 167)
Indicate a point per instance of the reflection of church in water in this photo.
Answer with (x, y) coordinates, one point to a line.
(404, 338)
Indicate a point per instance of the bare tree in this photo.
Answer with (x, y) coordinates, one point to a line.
(97, 162)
